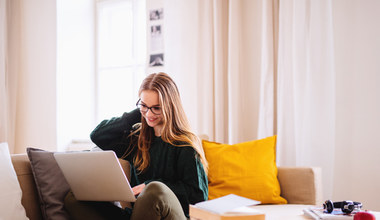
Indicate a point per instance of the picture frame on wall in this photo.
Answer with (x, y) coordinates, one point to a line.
(156, 14)
(156, 38)
(156, 60)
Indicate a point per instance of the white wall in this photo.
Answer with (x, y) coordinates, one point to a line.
(36, 115)
(357, 54)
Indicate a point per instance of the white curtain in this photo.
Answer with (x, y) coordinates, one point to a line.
(306, 87)
(3, 57)
(251, 69)
(221, 55)
(9, 53)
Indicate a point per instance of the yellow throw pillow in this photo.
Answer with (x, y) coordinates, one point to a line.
(246, 169)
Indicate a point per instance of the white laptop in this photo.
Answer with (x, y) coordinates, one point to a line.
(95, 176)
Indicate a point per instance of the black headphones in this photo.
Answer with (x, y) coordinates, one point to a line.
(346, 206)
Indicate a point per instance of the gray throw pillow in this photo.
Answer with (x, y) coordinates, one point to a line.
(51, 185)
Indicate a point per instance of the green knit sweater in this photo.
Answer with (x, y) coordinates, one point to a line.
(179, 168)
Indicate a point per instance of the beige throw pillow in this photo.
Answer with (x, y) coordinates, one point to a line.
(51, 185)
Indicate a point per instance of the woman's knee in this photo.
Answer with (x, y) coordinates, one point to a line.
(156, 187)
(157, 191)
(161, 202)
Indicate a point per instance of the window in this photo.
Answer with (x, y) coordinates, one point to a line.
(121, 53)
(101, 61)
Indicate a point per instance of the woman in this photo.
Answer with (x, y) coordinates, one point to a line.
(168, 166)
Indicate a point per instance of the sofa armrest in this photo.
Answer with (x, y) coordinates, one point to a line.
(301, 185)
(25, 177)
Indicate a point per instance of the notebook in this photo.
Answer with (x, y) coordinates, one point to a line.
(95, 176)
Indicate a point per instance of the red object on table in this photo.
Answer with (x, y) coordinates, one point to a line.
(364, 216)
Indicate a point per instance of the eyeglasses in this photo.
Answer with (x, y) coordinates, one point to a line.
(143, 108)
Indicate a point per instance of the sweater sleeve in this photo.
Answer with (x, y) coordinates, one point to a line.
(112, 134)
(192, 187)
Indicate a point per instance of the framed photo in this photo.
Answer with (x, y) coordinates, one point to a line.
(156, 38)
(156, 14)
(156, 60)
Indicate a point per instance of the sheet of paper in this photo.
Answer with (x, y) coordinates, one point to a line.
(226, 203)
(318, 213)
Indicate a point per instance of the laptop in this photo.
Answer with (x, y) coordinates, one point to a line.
(95, 176)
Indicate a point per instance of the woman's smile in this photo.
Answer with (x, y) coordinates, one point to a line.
(150, 100)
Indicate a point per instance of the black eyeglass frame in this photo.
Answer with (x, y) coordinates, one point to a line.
(139, 105)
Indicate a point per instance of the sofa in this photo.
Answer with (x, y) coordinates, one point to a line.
(300, 186)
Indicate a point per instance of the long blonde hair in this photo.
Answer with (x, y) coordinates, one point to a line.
(176, 128)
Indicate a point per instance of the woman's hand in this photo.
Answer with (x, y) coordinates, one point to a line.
(137, 189)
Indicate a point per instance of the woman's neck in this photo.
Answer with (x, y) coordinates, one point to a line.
(157, 130)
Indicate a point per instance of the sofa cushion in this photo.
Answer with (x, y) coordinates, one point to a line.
(10, 191)
(301, 185)
(51, 185)
(246, 169)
